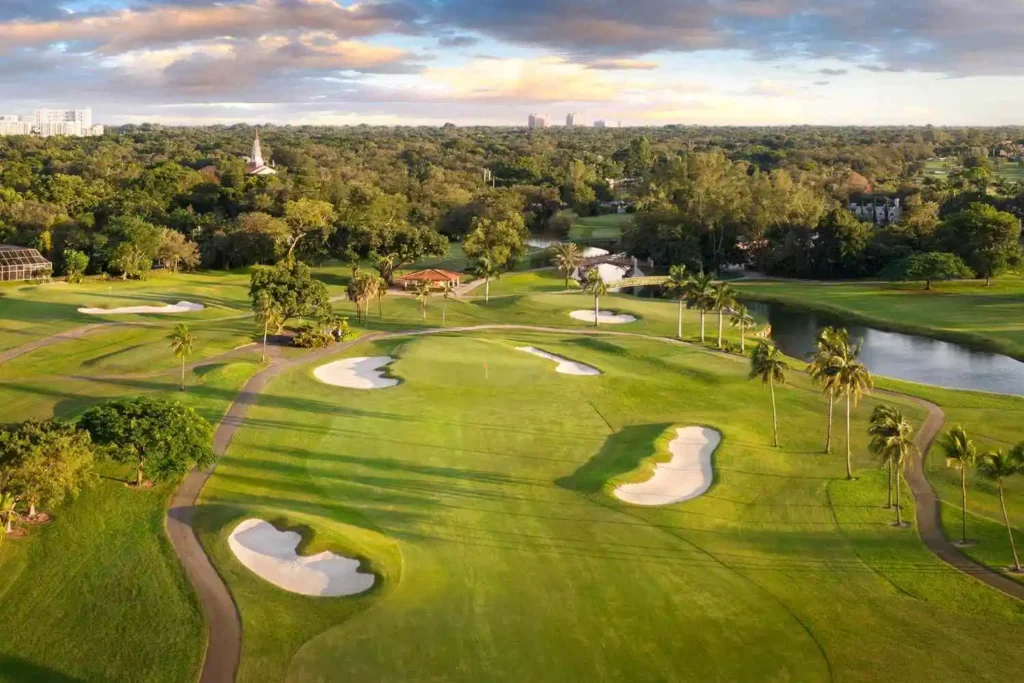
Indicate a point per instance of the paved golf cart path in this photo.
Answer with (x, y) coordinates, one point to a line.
(225, 645)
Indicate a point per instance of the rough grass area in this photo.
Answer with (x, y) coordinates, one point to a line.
(986, 317)
(479, 482)
(606, 228)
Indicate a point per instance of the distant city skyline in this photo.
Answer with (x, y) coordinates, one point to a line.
(715, 62)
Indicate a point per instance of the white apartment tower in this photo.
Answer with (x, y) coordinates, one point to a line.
(72, 122)
(11, 124)
(537, 121)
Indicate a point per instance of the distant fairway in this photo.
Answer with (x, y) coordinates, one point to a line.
(940, 168)
(606, 228)
(479, 489)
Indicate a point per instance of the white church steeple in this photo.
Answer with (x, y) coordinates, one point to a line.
(256, 165)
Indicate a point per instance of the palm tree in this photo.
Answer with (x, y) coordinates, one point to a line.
(567, 259)
(998, 466)
(593, 284)
(423, 291)
(182, 343)
(267, 312)
(767, 363)
(675, 288)
(447, 292)
(7, 513)
(361, 289)
(742, 319)
(883, 425)
(852, 380)
(485, 269)
(700, 295)
(831, 341)
(724, 297)
(382, 291)
(960, 454)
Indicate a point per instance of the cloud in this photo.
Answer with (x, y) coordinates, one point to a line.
(832, 72)
(622, 64)
(457, 41)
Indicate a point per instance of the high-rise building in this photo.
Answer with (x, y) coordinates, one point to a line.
(537, 121)
(74, 122)
(600, 123)
(10, 124)
(571, 120)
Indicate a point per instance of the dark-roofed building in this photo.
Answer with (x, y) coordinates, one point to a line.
(22, 263)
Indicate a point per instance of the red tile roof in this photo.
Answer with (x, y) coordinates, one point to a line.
(431, 275)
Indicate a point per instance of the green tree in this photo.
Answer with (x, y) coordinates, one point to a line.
(44, 463)
(961, 454)
(742, 319)
(8, 511)
(486, 269)
(75, 263)
(164, 439)
(361, 289)
(183, 344)
(768, 364)
(423, 292)
(175, 251)
(933, 266)
(999, 466)
(306, 218)
(882, 426)
(724, 297)
(677, 287)
(267, 312)
(293, 288)
(502, 242)
(988, 240)
(892, 438)
(852, 381)
(700, 294)
(594, 285)
(567, 258)
(831, 342)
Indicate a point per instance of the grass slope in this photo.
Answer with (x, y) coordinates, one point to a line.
(479, 488)
(605, 228)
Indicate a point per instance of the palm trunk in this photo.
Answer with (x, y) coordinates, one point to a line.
(889, 504)
(899, 512)
(8, 527)
(963, 498)
(567, 280)
(720, 328)
(775, 419)
(743, 339)
(679, 321)
(183, 373)
(1009, 529)
(380, 307)
(138, 472)
(263, 356)
(597, 310)
(31, 510)
(487, 290)
(444, 311)
(849, 467)
(702, 326)
(828, 434)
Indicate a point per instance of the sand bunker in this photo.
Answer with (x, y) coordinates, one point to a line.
(356, 373)
(271, 555)
(605, 317)
(593, 252)
(687, 475)
(180, 307)
(565, 366)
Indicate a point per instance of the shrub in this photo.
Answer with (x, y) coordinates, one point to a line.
(313, 337)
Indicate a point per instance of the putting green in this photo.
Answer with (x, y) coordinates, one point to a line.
(479, 491)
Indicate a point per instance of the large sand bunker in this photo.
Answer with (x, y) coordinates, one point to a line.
(180, 307)
(356, 373)
(565, 366)
(271, 555)
(605, 317)
(687, 475)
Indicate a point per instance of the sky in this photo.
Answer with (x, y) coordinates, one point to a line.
(493, 62)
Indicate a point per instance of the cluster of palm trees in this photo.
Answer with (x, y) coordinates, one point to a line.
(364, 287)
(424, 291)
(700, 291)
(997, 465)
(892, 440)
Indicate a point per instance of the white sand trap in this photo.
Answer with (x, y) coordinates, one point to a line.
(687, 475)
(592, 252)
(565, 366)
(356, 373)
(180, 307)
(604, 317)
(271, 555)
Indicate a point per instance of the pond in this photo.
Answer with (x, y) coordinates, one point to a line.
(902, 356)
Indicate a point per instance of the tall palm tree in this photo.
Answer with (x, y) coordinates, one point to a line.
(267, 312)
(961, 454)
(423, 292)
(487, 270)
(742, 319)
(447, 292)
(183, 344)
(768, 364)
(852, 381)
(831, 342)
(361, 289)
(593, 284)
(675, 288)
(382, 291)
(883, 424)
(567, 259)
(700, 295)
(998, 466)
(724, 297)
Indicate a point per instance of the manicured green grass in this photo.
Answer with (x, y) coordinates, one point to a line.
(98, 594)
(604, 228)
(941, 168)
(532, 282)
(479, 489)
(988, 317)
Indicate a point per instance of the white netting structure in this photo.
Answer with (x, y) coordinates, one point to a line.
(22, 263)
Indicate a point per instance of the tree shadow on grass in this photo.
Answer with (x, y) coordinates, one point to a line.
(23, 671)
(622, 452)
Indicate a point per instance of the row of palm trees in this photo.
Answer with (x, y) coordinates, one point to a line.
(700, 291)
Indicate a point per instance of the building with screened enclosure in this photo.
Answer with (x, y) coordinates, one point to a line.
(22, 263)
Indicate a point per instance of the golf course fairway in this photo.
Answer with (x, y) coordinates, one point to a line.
(479, 491)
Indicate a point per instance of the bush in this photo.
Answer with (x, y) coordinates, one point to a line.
(313, 337)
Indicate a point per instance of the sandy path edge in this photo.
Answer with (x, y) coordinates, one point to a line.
(225, 641)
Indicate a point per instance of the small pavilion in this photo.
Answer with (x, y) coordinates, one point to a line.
(437, 278)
